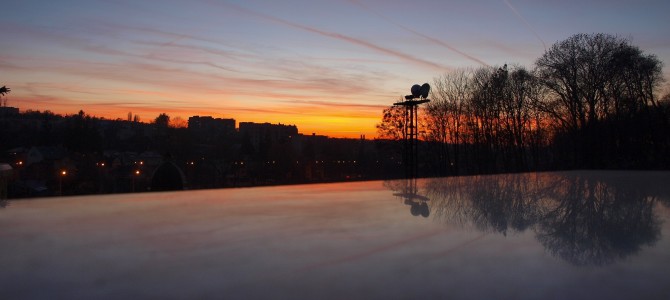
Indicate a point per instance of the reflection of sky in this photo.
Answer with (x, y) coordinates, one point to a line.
(327, 66)
(343, 241)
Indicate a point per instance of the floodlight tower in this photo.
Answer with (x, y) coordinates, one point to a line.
(411, 127)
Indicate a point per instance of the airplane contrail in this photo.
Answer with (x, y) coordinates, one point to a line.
(526, 23)
(432, 39)
(339, 36)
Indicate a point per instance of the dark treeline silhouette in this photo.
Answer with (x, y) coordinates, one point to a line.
(591, 101)
(585, 217)
(115, 156)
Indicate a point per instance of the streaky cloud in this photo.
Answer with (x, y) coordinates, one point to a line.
(432, 39)
(516, 12)
(341, 104)
(338, 36)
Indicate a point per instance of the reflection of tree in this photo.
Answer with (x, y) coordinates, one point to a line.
(491, 203)
(585, 220)
(665, 201)
(504, 202)
(595, 222)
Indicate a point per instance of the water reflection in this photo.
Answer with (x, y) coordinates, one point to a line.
(598, 222)
(586, 218)
(409, 192)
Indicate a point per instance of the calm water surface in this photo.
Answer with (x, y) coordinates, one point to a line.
(571, 235)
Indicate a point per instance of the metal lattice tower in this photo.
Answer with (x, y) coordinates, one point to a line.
(411, 127)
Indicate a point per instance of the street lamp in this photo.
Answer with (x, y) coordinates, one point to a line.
(101, 175)
(135, 174)
(62, 175)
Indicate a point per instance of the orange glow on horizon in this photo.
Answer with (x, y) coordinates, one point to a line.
(341, 122)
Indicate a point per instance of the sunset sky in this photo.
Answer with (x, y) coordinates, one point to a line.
(329, 67)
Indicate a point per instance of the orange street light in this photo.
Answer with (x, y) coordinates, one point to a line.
(137, 174)
(63, 173)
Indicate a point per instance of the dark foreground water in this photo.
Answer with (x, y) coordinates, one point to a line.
(572, 235)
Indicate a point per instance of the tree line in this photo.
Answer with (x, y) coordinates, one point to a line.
(590, 101)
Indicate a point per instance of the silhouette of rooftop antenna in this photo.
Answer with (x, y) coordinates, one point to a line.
(411, 127)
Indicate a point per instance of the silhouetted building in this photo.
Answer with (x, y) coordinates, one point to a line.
(210, 125)
(266, 132)
(6, 111)
(45, 153)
